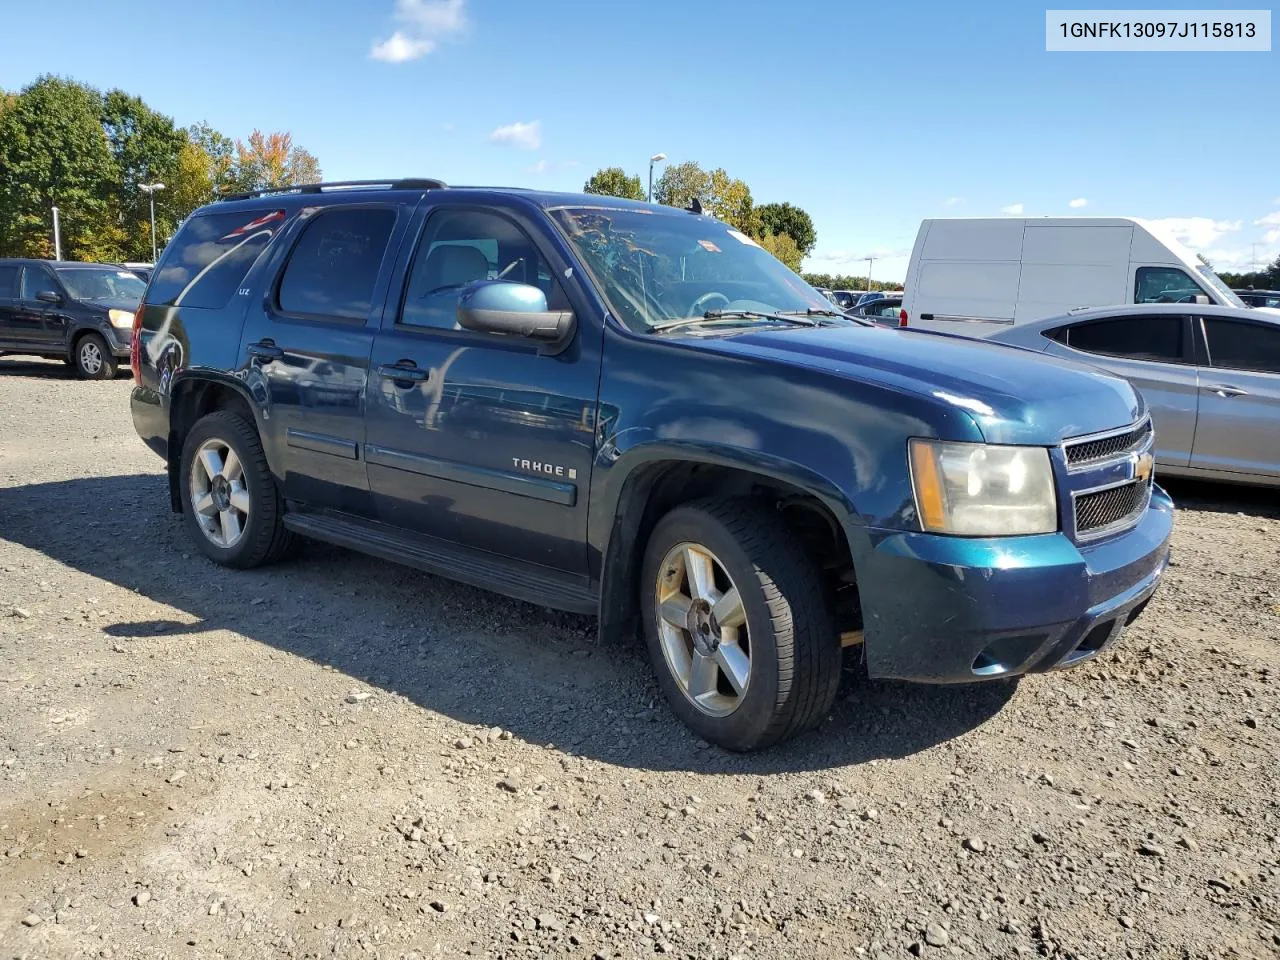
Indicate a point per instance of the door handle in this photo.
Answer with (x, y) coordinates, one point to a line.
(404, 372)
(265, 350)
(1227, 391)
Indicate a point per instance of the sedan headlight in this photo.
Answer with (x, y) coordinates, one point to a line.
(120, 318)
(979, 490)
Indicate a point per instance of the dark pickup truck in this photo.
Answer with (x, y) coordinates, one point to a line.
(633, 411)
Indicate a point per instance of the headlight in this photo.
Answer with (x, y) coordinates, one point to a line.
(120, 318)
(978, 490)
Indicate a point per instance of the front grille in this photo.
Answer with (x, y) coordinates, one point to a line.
(1105, 508)
(1106, 448)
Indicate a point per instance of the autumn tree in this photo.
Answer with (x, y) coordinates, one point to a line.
(783, 218)
(783, 247)
(54, 152)
(271, 160)
(614, 182)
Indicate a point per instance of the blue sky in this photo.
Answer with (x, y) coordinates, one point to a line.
(869, 116)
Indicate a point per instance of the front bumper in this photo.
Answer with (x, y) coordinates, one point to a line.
(940, 609)
(119, 341)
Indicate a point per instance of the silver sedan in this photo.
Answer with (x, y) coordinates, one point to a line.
(1210, 375)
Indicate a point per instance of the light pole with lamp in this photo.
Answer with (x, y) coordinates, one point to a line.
(656, 158)
(870, 261)
(150, 190)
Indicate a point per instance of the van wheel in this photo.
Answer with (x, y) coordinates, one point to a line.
(738, 629)
(230, 502)
(92, 359)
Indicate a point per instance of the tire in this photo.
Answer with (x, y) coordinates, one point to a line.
(93, 359)
(793, 655)
(233, 513)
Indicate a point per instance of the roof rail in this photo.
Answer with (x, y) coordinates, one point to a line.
(410, 183)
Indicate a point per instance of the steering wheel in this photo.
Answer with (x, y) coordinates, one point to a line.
(701, 305)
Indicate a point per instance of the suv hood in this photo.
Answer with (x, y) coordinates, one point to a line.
(1014, 395)
(113, 303)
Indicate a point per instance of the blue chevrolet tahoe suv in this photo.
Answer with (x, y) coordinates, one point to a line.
(631, 410)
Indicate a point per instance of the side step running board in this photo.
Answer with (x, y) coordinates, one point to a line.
(521, 581)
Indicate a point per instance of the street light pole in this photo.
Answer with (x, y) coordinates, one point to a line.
(656, 158)
(870, 261)
(57, 237)
(150, 190)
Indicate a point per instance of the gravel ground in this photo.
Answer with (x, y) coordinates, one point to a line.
(339, 757)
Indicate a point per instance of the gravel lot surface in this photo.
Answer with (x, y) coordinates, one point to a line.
(339, 757)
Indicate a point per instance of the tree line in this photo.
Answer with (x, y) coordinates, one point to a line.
(1268, 278)
(783, 229)
(89, 153)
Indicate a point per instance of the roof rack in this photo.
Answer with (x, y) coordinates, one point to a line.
(411, 183)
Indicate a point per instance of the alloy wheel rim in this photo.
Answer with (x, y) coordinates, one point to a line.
(702, 629)
(90, 357)
(219, 494)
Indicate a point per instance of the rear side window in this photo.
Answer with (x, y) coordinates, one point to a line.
(1237, 345)
(1135, 338)
(334, 266)
(204, 264)
(8, 281)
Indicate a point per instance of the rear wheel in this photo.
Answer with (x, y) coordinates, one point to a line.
(93, 359)
(229, 499)
(738, 628)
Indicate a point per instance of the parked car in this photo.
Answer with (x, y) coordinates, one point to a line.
(868, 297)
(886, 310)
(81, 313)
(1260, 298)
(845, 299)
(616, 408)
(976, 276)
(143, 270)
(1211, 376)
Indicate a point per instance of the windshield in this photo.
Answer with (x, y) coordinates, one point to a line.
(655, 268)
(101, 283)
(1226, 293)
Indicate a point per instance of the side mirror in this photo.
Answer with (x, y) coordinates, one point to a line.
(49, 296)
(513, 309)
(1201, 298)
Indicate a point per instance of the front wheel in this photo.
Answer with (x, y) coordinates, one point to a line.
(737, 625)
(93, 359)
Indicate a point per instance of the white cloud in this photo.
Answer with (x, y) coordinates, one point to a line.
(1077, 203)
(1198, 233)
(539, 167)
(424, 24)
(953, 201)
(525, 136)
(1013, 209)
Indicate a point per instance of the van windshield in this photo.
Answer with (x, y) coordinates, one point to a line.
(1221, 289)
(660, 267)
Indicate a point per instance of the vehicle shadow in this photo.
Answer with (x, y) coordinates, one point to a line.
(41, 369)
(462, 652)
(35, 367)
(1223, 497)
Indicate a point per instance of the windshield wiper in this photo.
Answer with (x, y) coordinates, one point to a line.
(717, 316)
(820, 312)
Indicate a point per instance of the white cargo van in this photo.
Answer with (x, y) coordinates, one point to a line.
(975, 277)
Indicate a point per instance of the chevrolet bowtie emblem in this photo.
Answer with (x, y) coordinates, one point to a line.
(1143, 467)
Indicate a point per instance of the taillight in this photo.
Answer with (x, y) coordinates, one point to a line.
(135, 346)
(902, 318)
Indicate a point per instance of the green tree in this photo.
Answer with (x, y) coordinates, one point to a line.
(145, 146)
(191, 184)
(782, 246)
(221, 151)
(722, 196)
(54, 152)
(784, 218)
(614, 182)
